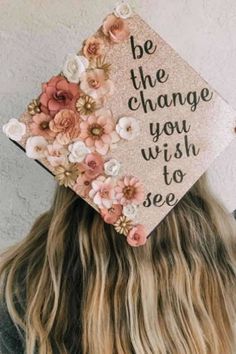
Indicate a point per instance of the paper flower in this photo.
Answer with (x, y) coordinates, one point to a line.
(58, 94)
(74, 67)
(92, 166)
(86, 105)
(123, 10)
(66, 125)
(137, 236)
(14, 129)
(116, 29)
(56, 154)
(128, 128)
(130, 210)
(66, 175)
(93, 48)
(129, 190)
(112, 167)
(78, 151)
(82, 185)
(36, 147)
(40, 126)
(102, 192)
(112, 214)
(123, 225)
(96, 131)
(34, 107)
(95, 84)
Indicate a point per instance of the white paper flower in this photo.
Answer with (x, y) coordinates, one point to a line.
(128, 128)
(74, 67)
(123, 10)
(130, 211)
(112, 167)
(36, 147)
(14, 129)
(78, 151)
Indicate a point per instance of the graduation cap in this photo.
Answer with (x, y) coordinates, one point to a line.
(127, 124)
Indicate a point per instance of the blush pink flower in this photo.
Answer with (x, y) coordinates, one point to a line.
(66, 125)
(57, 154)
(83, 185)
(97, 131)
(137, 236)
(92, 166)
(58, 94)
(93, 48)
(112, 214)
(102, 192)
(95, 84)
(116, 29)
(40, 126)
(129, 190)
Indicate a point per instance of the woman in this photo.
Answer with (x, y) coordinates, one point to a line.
(74, 285)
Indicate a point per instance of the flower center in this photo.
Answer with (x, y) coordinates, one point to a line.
(105, 193)
(92, 49)
(92, 164)
(44, 125)
(96, 131)
(94, 83)
(67, 173)
(129, 128)
(61, 96)
(129, 192)
(86, 183)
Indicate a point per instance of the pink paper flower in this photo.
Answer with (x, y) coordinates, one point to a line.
(112, 214)
(40, 126)
(95, 84)
(97, 131)
(92, 166)
(93, 48)
(66, 125)
(137, 236)
(83, 185)
(57, 154)
(116, 29)
(102, 192)
(58, 94)
(129, 190)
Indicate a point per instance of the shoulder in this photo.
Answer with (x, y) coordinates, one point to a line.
(11, 338)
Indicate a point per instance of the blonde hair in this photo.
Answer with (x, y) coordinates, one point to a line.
(87, 291)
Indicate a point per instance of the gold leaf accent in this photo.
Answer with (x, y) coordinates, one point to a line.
(100, 63)
(34, 107)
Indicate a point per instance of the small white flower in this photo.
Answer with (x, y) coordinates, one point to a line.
(123, 10)
(74, 67)
(78, 151)
(36, 147)
(112, 167)
(130, 211)
(128, 128)
(56, 154)
(14, 129)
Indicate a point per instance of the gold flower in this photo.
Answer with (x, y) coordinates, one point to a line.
(34, 107)
(123, 225)
(66, 175)
(100, 63)
(86, 105)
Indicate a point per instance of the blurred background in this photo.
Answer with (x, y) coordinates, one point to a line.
(36, 35)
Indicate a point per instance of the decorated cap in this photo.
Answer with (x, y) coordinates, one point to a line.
(127, 124)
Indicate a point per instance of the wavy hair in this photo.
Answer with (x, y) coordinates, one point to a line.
(87, 291)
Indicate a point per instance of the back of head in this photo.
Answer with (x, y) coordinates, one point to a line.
(87, 291)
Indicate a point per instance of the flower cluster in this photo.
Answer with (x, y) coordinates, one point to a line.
(72, 130)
